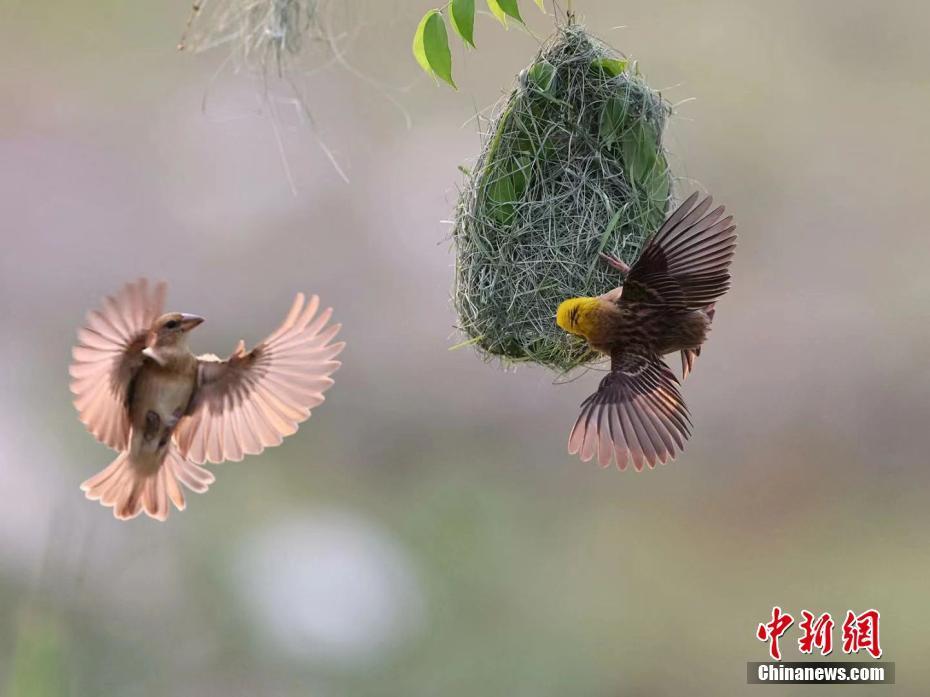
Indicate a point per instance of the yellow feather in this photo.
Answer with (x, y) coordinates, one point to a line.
(578, 316)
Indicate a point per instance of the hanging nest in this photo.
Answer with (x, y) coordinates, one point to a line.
(572, 166)
(266, 36)
(279, 43)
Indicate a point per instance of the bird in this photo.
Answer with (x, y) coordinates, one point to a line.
(140, 390)
(665, 303)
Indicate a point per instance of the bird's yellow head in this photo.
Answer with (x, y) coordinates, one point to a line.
(578, 316)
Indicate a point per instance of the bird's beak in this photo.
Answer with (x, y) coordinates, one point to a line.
(188, 322)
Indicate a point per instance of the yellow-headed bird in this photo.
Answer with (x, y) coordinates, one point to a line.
(139, 389)
(665, 304)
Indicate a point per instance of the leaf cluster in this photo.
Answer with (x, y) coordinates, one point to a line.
(431, 40)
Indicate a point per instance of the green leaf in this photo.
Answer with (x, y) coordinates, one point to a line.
(507, 188)
(501, 194)
(462, 16)
(419, 50)
(613, 120)
(541, 75)
(542, 6)
(645, 163)
(431, 47)
(511, 9)
(498, 11)
(611, 66)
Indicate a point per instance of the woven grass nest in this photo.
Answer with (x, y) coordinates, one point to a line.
(572, 165)
(263, 35)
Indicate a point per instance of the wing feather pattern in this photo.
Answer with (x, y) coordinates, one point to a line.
(686, 264)
(107, 356)
(637, 414)
(253, 399)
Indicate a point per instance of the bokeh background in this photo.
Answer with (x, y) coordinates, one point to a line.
(425, 532)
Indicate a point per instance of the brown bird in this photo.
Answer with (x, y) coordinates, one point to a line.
(665, 304)
(139, 389)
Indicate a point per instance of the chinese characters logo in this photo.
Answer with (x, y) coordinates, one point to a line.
(860, 632)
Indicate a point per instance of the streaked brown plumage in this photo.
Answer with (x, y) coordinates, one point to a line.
(140, 390)
(665, 304)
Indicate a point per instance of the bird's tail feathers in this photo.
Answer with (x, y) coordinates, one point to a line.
(689, 356)
(130, 488)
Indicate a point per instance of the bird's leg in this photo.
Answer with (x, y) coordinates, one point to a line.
(170, 423)
(172, 420)
(152, 426)
(618, 264)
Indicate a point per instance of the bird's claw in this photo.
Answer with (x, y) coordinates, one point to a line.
(618, 264)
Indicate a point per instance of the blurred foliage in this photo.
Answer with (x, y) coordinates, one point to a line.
(39, 666)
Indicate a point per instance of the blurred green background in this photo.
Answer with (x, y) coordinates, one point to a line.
(425, 532)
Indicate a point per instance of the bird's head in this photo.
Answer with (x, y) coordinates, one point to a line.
(172, 328)
(578, 316)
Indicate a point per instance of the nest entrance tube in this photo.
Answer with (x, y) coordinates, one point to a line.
(572, 166)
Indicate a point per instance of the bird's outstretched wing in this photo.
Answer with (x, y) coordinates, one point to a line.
(686, 264)
(636, 414)
(108, 355)
(254, 398)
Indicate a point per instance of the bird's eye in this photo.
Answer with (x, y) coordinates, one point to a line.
(172, 324)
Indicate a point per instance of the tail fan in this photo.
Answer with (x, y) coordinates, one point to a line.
(689, 356)
(130, 489)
